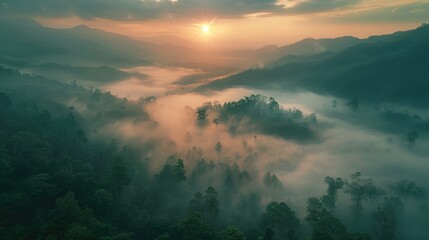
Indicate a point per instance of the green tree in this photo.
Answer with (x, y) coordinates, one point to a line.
(385, 221)
(231, 233)
(329, 227)
(197, 203)
(102, 201)
(180, 171)
(67, 214)
(361, 189)
(333, 186)
(409, 189)
(118, 176)
(80, 232)
(194, 227)
(268, 234)
(202, 113)
(280, 218)
(324, 224)
(271, 181)
(211, 204)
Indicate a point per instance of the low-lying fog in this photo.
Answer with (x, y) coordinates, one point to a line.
(344, 147)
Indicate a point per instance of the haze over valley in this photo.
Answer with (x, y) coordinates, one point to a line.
(229, 120)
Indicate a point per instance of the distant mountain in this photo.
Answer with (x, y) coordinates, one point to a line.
(272, 54)
(26, 40)
(169, 39)
(67, 73)
(390, 68)
(29, 41)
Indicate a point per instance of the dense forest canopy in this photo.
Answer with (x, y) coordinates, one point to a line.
(59, 183)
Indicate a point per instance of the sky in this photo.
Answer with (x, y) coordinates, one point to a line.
(233, 24)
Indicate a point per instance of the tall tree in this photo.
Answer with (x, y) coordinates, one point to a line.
(231, 233)
(324, 224)
(361, 189)
(180, 170)
(385, 221)
(118, 176)
(280, 218)
(409, 189)
(193, 227)
(333, 186)
(197, 203)
(67, 215)
(211, 204)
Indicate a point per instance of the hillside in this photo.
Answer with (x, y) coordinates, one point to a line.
(392, 69)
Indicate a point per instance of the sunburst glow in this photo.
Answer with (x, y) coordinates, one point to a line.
(205, 28)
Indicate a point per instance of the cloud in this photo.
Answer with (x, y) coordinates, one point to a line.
(411, 12)
(150, 9)
(314, 6)
(134, 9)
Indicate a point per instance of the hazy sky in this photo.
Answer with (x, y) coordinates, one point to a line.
(234, 23)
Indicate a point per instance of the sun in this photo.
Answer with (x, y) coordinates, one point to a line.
(205, 28)
(206, 31)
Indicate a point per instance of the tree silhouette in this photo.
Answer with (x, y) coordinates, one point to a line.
(406, 189)
(194, 227)
(280, 218)
(268, 234)
(231, 233)
(271, 181)
(202, 113)
(385, 221)
(197, 203)
(211, 204)
(333, 186)
(179, 170)
(361, 189)
(324, 224)
(118, 176)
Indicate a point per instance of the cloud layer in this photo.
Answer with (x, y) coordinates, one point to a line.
(149, 9)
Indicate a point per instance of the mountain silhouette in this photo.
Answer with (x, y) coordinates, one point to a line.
(392, 68)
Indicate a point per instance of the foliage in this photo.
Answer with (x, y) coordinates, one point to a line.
(257, 113)
(280, 218)
(361, 189)
(231, 233)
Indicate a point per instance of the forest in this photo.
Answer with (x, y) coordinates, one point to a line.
(57, 182)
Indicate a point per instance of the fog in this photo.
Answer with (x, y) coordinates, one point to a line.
(344, 148)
